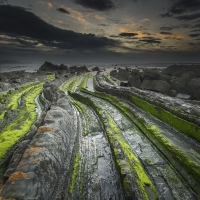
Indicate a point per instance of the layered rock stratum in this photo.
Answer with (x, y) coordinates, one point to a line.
(74, 133)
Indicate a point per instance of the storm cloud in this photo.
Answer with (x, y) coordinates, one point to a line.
(100, 5)
(17, 20)
(183, 6)
(128, 34)
(188, 17)
(150, 40)
(62, 10)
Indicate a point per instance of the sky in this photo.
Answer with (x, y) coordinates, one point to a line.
(100, 31)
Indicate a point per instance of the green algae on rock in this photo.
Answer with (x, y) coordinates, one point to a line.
(75, 173)
(20, 126)
(131, 163)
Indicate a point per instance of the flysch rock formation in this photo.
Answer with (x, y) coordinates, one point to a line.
(91, 136)
(38, 170)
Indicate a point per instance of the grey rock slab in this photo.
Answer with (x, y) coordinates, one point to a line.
(47, 158)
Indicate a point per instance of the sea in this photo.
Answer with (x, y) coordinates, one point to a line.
(35, 67)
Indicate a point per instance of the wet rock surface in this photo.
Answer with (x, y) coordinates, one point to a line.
(90, 145)
(46, 160)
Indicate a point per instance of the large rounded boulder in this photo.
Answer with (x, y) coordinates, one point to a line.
(156, 85)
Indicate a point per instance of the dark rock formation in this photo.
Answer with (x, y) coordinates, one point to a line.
(172, 93)
(174, 78)
(150, 74)
(193, 87)
(4, 86)
(52, 93)
(124, 83)
(123, 74)
(156, 85)
(113, 73)
(135, 81)
(73, 69)
(95, 69)
(179, 70)
(180, 84)
(48, 66)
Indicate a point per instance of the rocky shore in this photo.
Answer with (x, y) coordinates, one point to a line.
(181, 81)
(82, 133)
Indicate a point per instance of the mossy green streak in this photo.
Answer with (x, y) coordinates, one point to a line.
(153, 133)
(182, 125)
(114, 134)
(19, 127)
(75, 173)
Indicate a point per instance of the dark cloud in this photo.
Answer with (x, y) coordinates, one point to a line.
(3, 1)
(103, 25)
(194, 44)
(18, 21)
(166, 33)
(196, 26)
(124, 34)
(62, 10)
(166, 28)
(150, 40)
(183, 6)
(194, 35)
(188, 17)
(196, 30)
(169, 28)
(166, 15)
(100, 5)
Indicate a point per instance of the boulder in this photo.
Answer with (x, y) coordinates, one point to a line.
(180, 84)
(96, 69)
(155, 75)
(135, 81)
(17, 80)
(172, 93)
(193, 87)
(113, 73)
(181, 69)
(123, 74)
(4, 86)
(156, 85)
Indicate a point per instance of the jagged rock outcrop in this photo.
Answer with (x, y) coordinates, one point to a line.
(82, 69)
(95, 69)
(52, 92)
(48, 66)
